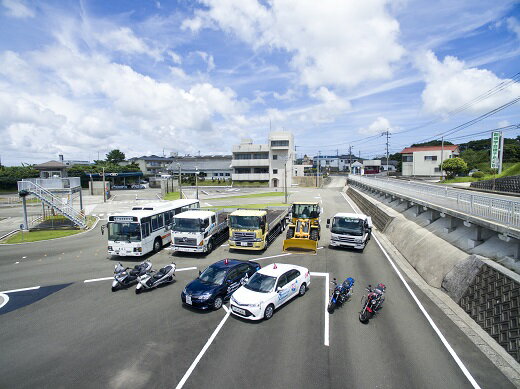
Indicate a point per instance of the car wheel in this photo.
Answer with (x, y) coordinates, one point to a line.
(209, 247)
(157, 245)
(217, 304)
(303, 289)
(290, 233)
(269, 311)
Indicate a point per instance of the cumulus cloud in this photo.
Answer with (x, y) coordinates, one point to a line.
(333, 43)
(451, 84)
(17, 9)
(378, 126)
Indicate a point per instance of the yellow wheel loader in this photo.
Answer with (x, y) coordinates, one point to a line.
(303, 232)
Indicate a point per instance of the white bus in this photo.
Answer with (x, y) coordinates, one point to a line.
(145, 228)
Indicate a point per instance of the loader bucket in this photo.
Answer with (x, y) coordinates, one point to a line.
(300, 246)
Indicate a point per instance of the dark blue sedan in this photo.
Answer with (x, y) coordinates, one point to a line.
(217, 283)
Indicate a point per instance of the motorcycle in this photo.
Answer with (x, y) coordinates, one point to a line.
(125, 276)
(153, 279)
(372, 302)
(341, 293)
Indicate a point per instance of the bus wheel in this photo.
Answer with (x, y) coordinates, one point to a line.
(157, 244)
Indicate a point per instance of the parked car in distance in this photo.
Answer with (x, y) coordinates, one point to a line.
(268, 289)
(217, 282)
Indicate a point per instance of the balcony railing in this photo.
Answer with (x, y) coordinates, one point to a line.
(250, 176)
(250, 162)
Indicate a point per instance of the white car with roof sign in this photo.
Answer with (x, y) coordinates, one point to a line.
(269, 288)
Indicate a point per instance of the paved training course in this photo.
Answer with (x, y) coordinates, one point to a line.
(81, 334)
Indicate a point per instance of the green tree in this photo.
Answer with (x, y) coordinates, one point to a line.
(115, 156)
(10, 175)
(454, 166)
(473, 158)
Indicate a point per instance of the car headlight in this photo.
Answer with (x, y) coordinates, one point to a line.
(233, 300)
(254, 305)
(359, 240)
(204, 296)
(109, 248)
(184, 291)
(257, 240)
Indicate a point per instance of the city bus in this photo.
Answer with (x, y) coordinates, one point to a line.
(144, 228)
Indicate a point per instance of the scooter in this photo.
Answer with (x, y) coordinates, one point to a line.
(153, 279)
(341, 293)
(125, 276)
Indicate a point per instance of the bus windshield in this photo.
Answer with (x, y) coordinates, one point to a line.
(186, 225)
(305, 211)
(245, 222)
(130, 232)
(347, 225)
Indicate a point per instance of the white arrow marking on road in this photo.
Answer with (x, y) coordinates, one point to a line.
(326, 331)
(421, 307)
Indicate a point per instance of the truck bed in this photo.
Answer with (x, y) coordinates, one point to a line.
(222, 216)
(275, 215)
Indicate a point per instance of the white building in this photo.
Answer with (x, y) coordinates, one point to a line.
(425, 160)
(335, 162)
(299, 170)
(265, 162)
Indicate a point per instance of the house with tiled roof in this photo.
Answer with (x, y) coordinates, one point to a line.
(426, 160)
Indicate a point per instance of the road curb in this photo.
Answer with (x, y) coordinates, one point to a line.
(47, 240)
(8, 234)
(489, 347)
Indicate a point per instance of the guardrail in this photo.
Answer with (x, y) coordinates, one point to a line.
(488, 207)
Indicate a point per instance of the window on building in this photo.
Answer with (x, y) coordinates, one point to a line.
(242, 156)
(227, 174)
(275, 143)
(260, 155)
(430, 158)
(437, 170)
(261, 170)
(242, 170)
(275, 156)
(275, 171)
(407, 158)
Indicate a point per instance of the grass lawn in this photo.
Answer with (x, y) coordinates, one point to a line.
(249, 206)
(34, 236)
(172, 196)
(249, 196)
(510, 169)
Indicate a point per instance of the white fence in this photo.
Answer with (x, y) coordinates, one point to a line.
(488, 207)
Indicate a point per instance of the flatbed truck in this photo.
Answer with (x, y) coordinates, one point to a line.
(255, 229)
(199, 230)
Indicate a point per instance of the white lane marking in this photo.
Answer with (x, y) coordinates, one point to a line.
(186, 268)
(272, 256)
(225, 308)
(24, 257)
(208, 204)
(224, 245)
(204, 349)
(319, 248)
(99, 279)
(16, 263)
(326, 331)
(20, 290)
(6, 299)
(421, 307)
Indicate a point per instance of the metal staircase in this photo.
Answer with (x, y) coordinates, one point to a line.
(54, 202)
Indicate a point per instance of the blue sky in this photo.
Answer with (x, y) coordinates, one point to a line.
(83, 77)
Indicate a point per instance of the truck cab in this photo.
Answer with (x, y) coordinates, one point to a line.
(247, 229)
(195, 231)
(350, 230)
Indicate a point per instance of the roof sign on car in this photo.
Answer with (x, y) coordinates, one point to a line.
(274, 266)
(226, 261)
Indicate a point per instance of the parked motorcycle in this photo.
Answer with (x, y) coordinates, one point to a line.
(341, 293)
(153, 279)
(125, 276)
(372, 302)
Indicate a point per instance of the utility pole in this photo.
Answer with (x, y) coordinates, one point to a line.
(197, 181)
(104, 187)
(180, 181)
(442, 157)
(318, 170)
(349, 159)
(337, 157)
(285, 178)
(387, 136)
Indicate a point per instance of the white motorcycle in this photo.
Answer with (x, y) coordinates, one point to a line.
(125, 276)
(153, 279)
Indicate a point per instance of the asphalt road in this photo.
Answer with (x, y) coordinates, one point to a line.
(83, 335)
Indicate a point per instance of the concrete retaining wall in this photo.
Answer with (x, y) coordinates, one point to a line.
(487, 291)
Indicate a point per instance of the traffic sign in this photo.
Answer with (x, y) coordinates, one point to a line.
(495, 150)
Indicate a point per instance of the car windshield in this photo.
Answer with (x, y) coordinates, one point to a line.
(261, 283)
(347, 225)
(305, 211)
(130, 232)
(186, 225)
(213, 275)
(245, 222)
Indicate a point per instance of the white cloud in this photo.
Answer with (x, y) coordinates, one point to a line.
(450, 84)
(514, 25)
(124, 40)
(17, 9)
(378, 126)
(335, 43)
(208, 59)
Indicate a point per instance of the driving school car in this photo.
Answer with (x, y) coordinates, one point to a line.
(217, 282)
(268, 289)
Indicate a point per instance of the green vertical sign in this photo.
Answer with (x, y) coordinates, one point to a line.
(495, 149)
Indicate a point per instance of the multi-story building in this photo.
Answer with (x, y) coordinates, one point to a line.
(426, 160)
(212, 167)
(152, 165)
(335, 162)
(270, 162)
